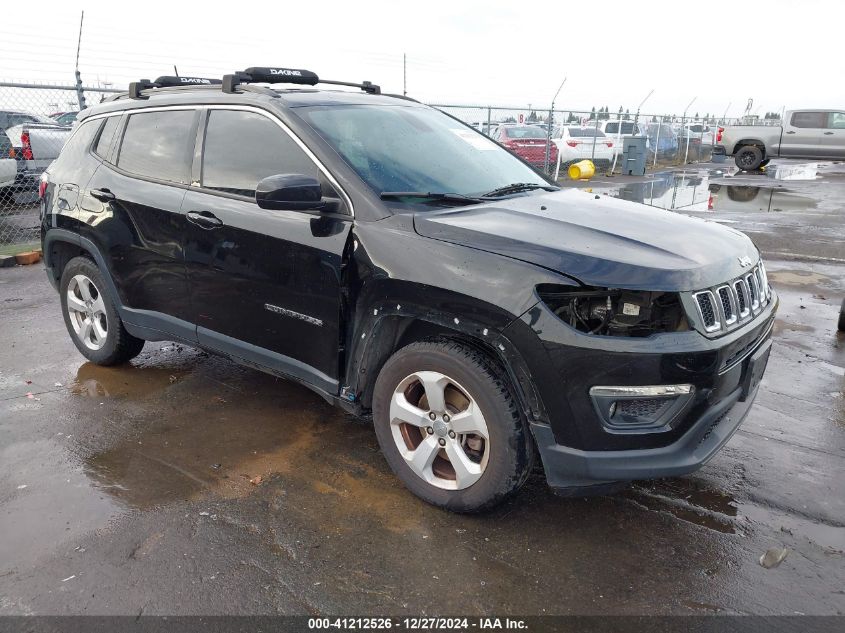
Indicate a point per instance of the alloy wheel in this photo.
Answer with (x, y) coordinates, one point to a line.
(87, 312)
(439, 430)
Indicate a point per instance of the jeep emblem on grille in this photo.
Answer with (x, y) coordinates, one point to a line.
(744, 261)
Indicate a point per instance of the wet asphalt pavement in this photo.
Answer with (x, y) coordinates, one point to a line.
(184, 484)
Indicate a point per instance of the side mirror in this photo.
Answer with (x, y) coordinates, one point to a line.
(294, 192)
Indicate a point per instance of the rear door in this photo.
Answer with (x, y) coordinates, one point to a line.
(265, 284)
(132, 210)
(833, 138)
(802, 134)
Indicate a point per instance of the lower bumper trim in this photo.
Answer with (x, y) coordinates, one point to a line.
(572, 468)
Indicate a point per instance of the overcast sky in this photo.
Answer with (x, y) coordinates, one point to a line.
(466, 52)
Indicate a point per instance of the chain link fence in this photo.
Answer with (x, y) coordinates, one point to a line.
(36, 120)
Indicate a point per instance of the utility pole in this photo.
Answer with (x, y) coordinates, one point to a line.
(549, 131)
(80, 94)
(404, 75)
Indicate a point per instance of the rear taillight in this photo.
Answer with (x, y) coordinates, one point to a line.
(572, 143)
(42, 186)
(609, 143)
(26, 146)
(719, 134)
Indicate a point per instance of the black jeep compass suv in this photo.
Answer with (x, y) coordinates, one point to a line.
(405, 266)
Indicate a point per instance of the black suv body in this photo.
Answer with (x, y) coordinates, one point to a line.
(613, 340)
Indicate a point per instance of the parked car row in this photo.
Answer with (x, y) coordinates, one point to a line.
(601, 141)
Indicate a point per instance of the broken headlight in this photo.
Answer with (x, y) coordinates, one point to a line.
(613, 312)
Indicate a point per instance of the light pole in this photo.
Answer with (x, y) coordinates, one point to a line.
(549, 131)
(684, 127)
(726, 113)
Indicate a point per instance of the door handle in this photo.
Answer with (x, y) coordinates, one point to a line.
(103, 195)
(791, 132)
(828, 133)
(204, 219)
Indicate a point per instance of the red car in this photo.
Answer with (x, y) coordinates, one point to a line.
(528, 142)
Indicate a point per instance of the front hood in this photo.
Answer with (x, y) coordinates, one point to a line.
(598, 240)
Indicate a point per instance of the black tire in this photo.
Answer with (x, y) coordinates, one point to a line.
(749, 158)
(119, 346)
(742, 193)
(842, 317)
(511, 449)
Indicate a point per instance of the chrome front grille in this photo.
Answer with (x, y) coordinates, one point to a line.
(725, 307)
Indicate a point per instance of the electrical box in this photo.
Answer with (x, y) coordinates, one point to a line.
(633, 155)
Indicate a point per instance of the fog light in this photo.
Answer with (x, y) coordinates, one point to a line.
(650, 408)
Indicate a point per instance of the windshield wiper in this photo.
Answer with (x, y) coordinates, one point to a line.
(517, 187)
(431, 195)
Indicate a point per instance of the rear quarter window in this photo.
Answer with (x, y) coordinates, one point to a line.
(159, 145)
(101, 147)
(73, 153)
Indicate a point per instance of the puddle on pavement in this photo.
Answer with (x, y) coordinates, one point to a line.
(695, 192)
(146, 375)
(210, 446)
(685, 500)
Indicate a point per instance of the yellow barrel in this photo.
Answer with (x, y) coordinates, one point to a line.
(582, 170)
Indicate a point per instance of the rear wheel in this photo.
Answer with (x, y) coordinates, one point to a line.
(749, 158)
(449, 426)
(91, 316)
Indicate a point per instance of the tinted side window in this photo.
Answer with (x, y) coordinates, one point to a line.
(101, 148)
(159, 145)
(612, 128)
(242, 148)
(809, 119)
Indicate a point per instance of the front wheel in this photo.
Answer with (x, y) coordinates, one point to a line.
(449, 426)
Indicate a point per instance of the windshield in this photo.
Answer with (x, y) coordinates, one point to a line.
(401, 148)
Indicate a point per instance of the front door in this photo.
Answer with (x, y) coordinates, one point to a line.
(802, 135)
(265, 284)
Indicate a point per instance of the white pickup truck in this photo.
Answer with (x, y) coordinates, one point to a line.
(34, 142)
(812, 134)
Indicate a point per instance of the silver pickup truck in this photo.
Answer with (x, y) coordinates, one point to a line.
(811, 134)
(34, 141)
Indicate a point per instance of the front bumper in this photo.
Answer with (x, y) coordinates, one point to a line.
(573, 470)
(579, 451)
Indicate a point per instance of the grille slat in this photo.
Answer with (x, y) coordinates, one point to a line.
(707, 308)
(727, 301)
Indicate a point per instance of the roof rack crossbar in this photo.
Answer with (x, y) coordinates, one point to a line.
(167, 81)
(269, 75)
